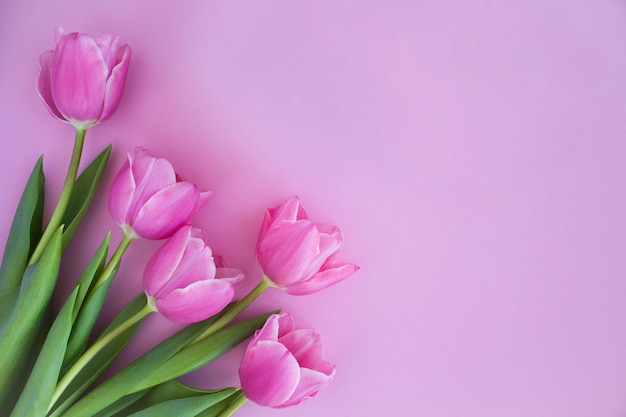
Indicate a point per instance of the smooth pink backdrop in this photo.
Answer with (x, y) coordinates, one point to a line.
(473, 153)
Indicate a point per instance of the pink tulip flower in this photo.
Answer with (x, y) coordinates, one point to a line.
(283, 366)
(182, 281)
(295, 254)
(148, 200)
(82, 80)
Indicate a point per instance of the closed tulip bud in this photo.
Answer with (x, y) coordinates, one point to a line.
(182, 281)
(81, 81)
(297, 255)
(283, 366)
(148, 200)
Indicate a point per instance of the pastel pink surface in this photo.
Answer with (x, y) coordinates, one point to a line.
(472, 154)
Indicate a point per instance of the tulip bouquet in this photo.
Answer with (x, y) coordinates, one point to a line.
(52, 358)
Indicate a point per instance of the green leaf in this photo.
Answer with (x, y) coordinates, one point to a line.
(196, 355)
(126, 381)
(38, 391)
(102, 359)
(25, 230)
(22, 327)
(182, 407)
(8, 299)
(122, 404)
(84, 190)
(219, 408)
(88, 309)
(173, 398)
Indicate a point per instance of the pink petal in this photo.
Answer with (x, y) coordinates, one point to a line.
(204, 198)
(331, 241)
(306, 346)
(78, 79)
(332, 273)
(231, 275)
(286, 324)
(115, 84)
(269, 331)
(267, 222)
(269, 374)
(150, 175)
(290, 210)
(197, 302)
(108, 45)
(333, 233)
(43, 84)
(59, 33)
(286, 251)
(166, 211)
(311, 382)
(195, 265)
(164, 262)
(121, 194)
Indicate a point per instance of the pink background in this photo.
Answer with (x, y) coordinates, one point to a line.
(472, 153)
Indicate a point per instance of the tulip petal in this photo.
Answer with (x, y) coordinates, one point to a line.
(166, 211)
(290, 210)
(78, 79)
(150, 174)
(305, 345)
(265, 225)
(115, 84)
(197, 302)
(46, 61)
(269, 331)
(204, 198)
(231, 275)
(286, 251)
(331, 241)
(269, 374)
(196, 265)
(59, 33)
(164, 262)
(121, 194)
(311, 382)
(108, 45)
(286, 324)
(331, 274)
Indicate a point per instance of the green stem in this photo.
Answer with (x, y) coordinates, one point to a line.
(94, 349)
(234, 310)
(114, 263)
(64, 197)
(234, 406)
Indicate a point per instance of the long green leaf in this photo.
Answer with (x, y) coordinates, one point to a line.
(199, 354)
(122, 404)
(38, 391)
(219, 408)
(165, 393)
(102, 360)
(172, 391)
(126, 381)
(8, 299)
(87, 310)
(83, 193)
(22, 327)
(186, 406)
(25, 230)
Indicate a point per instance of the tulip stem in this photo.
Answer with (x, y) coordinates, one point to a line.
(64, 197)
(234, 310)
(95, 349)
(234, 406)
